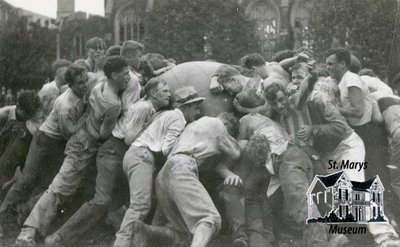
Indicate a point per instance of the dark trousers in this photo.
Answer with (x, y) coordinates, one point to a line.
(376, 149)
(43, 161)
(15, 150)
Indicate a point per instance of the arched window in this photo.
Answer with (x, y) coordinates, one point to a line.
(299, 20)
(129, 25)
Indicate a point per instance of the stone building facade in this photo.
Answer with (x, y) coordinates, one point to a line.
(280, 24)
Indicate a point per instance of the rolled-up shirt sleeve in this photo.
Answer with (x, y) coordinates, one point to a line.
(175, 128)
(334, 123)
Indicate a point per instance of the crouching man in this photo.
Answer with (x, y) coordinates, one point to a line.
(183, 200)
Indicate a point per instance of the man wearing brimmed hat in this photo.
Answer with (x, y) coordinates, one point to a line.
(182, 198)
(160, 136)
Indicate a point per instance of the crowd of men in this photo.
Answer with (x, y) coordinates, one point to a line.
(108, 125)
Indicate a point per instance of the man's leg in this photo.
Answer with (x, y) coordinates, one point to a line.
(44, 153)
(108, 162)
(81, 150)
(295, 174)
(14, 156)
(180, 177)
(258, 212)
(139, 167)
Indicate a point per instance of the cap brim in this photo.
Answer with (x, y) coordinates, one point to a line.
(193, 100)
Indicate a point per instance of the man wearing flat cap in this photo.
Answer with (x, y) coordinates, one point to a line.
(182, 198)
(159, 137)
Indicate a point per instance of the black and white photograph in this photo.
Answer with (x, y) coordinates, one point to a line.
(200, 123)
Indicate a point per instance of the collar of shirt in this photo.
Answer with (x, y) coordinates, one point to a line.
(73, 98)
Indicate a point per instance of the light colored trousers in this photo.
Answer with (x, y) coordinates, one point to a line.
(138, 166)
(81, 152)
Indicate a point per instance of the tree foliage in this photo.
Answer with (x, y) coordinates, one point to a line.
(366, 27)
(181, 29)
(26, 53)
(94, 26)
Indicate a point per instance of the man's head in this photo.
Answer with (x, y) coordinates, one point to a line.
(189, 102)
(231, 123)
(116, 69)
(230, 79)
(282, 55)
(338, 62)
(77, 79)
(28, 103)
(95, 48)
(114, 50)
(258, 150)
(132, 50)
(276, 97)
(82, 63)
(157, 91)
(256, 62)
(58, 68)
(300, 72)
(249, 99)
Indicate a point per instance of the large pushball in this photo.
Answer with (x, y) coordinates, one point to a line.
(198, 75)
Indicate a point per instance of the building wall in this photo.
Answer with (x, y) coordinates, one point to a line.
(65, 8)
(276, 21)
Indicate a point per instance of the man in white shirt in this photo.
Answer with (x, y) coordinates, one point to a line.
(183, 200)
(356, 106)
(159, 137)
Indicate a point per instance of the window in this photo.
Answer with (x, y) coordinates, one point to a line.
(373, 196)
(379, 199)
(131, 25)
(340, 194)
(340, 210)
(373, 212)
(347, 194)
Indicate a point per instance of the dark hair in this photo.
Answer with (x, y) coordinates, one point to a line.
(282, 55)
(253, 59)
(95, 42)
(152, 84)
(272, 90)
(342, 55)
(225, 73)
(355, 64)
(368, 72)
(29, 102)
(114, 64)
(59, 63)
(72, 72)
(146, 71)
(83, 63)
(300, 66)
(322, 72)
(257, 149)
(249, 99)
(233, 123)
(114, 50)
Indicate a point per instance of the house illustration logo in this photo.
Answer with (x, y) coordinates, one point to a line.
(340, 200)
